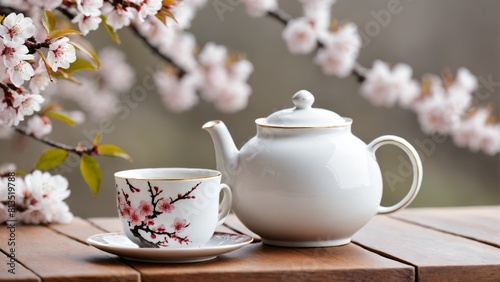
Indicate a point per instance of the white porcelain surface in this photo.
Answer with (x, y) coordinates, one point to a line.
(119, 244)
(303, 182)
(171, 207)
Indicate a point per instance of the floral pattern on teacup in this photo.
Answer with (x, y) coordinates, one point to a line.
(141, 218)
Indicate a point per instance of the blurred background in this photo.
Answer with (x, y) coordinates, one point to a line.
(428, 35)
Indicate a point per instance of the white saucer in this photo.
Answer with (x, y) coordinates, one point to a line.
(117, 243)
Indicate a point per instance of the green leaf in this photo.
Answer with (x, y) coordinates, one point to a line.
(112, 150)
(60, 116)
(62, 32)
(51, 159)
(111, 31)
(97, 138)
(48, 21)
(88, 51)
(91, 173)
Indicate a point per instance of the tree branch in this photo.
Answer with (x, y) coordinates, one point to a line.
(180, 71)
(75, 150)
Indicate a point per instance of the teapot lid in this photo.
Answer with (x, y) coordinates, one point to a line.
(303, 115)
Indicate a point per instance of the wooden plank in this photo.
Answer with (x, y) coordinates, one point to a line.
(477, 223)
(438, 256)
(55, 257)
(235, 224)
(110, 224)
(18, 273)
(79, 229)
(258, 262)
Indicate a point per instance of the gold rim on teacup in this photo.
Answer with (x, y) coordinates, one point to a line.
(204, 173)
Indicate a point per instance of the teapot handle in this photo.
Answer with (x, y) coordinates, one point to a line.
(416, 165)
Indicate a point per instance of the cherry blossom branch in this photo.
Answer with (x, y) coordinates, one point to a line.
(75, 150)
(180, 71)
(185, 196)
(283, 17)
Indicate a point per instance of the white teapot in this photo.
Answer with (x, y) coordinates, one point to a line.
(305, 180)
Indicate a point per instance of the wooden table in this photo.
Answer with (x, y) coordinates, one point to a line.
(425, 244)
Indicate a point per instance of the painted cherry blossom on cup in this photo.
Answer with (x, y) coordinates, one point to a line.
(141, 218)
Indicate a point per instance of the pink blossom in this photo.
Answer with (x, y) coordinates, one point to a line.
(161, 228)
(178, 225)
(300, 36)
(61, 54)
(39, 126)
(165, 206)
(134, 218)
(126, 211)
(17, 28)
(145, 208)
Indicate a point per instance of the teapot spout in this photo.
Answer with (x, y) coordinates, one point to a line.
(226, 153)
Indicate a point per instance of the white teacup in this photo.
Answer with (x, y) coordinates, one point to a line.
(171, 207)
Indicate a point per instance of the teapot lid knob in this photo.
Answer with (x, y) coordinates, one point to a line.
(303, 99)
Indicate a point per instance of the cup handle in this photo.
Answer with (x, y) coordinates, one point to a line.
(416, 165)
(225, 204)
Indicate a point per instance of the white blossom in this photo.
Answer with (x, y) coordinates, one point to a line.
(300, 36)
(61, 54)
(340, 51)
(39, 126)
(45, 194)
(318, 13)
(87, 23)
(178, 94)
(20, 72)
(117, 17)
(184, 15)
(259, 8)
(149, 8)
(233, 97)
(27, 104)
(475, 133)
(8, 115)
(47, 4)
(241, 70)
(436, 115)
(12, 53)
(90, 7)
(213, 54)
(383, 87)
(17, 28)
(40, 79)
(116, 74)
